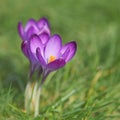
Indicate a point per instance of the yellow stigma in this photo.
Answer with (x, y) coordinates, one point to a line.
(51, 59)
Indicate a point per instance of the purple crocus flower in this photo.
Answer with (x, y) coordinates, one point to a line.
(42, 29)
(33, 27)
(45, 53)
(53, 55)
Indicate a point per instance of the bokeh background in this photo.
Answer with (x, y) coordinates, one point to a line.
(88, 87)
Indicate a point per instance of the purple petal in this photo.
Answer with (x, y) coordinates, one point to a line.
(35, 43)
(31, 31)
(40, 57)
(21, 31)
(27, 52)
(43, 26)
(31, 23)
(44, 38)
(72, 50)
(24, 47)
(57, 64)
(65, 54)
(53, 47)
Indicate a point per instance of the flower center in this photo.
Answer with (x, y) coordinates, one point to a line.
(51, 59)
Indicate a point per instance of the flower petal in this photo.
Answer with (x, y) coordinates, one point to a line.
(31, 23)
(53, 47)
(57, 64)
(43, 26)
(44, 38)
(72, 50)
(21, 31)
(65, 54)
(27, 52)
(40, 57)
(31, 31)
(24, 47)
(35, 43)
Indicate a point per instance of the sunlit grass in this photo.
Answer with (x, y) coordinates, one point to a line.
(88, 87)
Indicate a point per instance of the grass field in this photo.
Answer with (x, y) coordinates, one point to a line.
(88, 87)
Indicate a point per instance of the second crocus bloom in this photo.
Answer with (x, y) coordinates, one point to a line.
(40, 28)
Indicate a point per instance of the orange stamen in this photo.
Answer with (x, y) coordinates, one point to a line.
(51, 59)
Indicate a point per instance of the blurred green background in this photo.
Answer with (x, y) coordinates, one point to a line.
(88, 87)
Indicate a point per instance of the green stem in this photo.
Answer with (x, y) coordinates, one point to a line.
(37, 101)
(31, 92)
(28, 93)
(32, 95)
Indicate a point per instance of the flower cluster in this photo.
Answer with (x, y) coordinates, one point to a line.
(44, 51)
